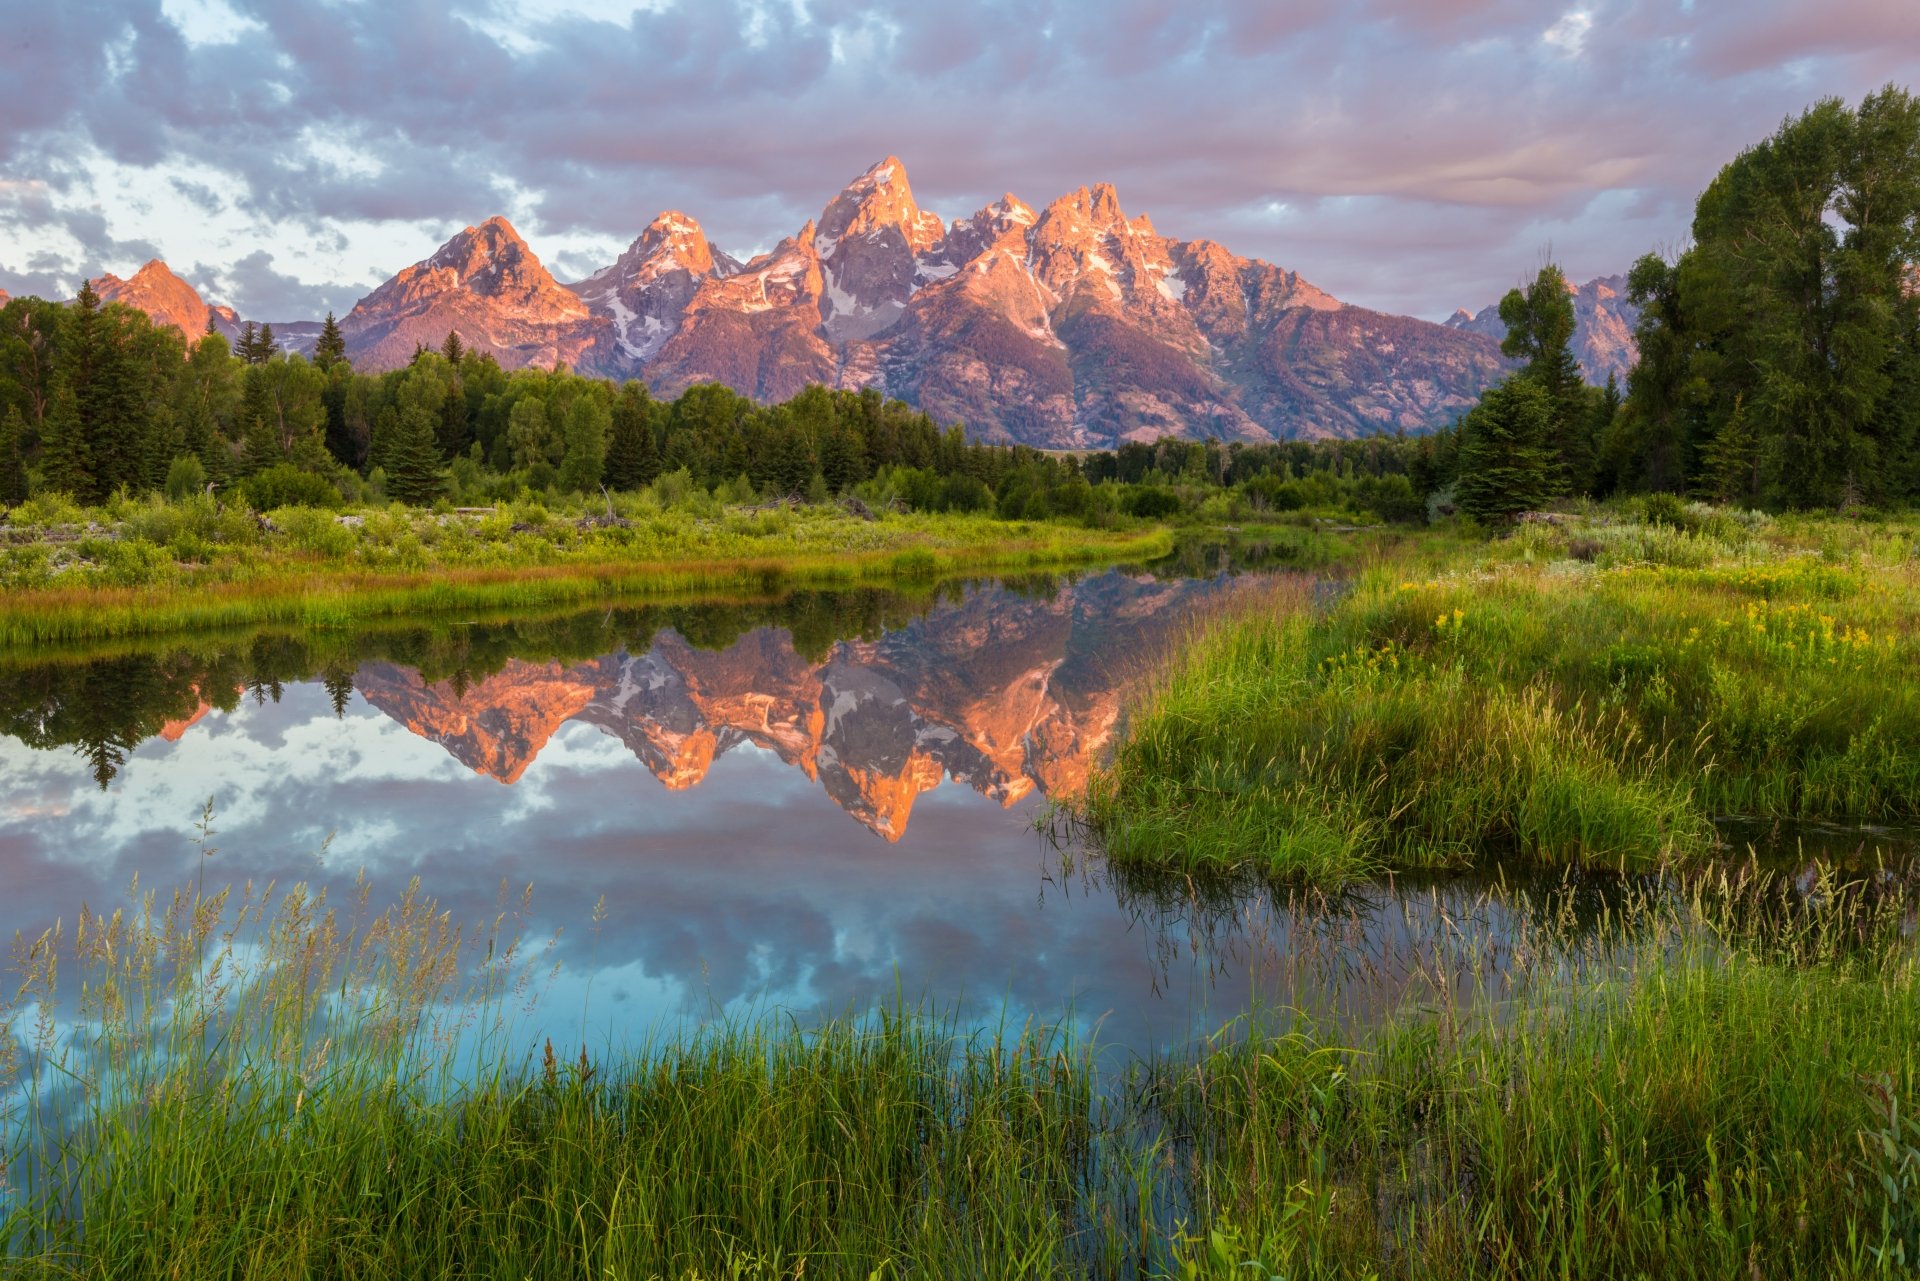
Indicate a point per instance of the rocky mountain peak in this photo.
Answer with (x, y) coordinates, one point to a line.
(879, 199)
(674, 240)
(485, 283)
(163, 295)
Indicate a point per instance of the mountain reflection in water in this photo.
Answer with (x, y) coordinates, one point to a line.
(519, 751)
(691, 770)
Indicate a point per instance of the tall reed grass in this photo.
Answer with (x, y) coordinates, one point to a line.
(1714, 1079)
(1519, 701)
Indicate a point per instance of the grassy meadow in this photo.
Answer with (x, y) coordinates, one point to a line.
(151, 566)
(1593, 692)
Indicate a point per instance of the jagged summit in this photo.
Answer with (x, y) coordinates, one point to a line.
(166, 298)
(486, 283)
(1071, 326)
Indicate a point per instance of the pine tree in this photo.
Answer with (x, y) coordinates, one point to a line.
(248, 348)
(1540, 326)
(632, 459)
(1505, 463)
(412, 459)
(268, 347)
(259, 425)
(452, 435)
(13, 468)
(210, 325)
(65, 458)
(452, 349)
(331, 347)
(1731, 460)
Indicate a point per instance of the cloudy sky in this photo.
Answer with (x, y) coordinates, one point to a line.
(1412, 155)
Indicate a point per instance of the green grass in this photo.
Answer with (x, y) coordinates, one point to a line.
(1460, 703)
(1706, 1084)
(154, 568)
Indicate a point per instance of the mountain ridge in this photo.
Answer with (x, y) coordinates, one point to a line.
(1071, 326)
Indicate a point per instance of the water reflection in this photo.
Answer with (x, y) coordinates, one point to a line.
(694, 769)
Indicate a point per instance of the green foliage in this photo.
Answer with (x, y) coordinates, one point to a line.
(1780, 354)
(1557, 711)
(284, 485)
(186, 476)
(13, 468)
(1504, 458)
(412, 458)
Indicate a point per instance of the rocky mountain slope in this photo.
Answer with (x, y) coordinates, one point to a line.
(1073, 325)
(167, 300)
(488, 286)
(1603, 325)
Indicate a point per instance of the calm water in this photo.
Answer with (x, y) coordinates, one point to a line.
(816, 803)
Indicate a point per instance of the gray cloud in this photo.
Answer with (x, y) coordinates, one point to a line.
(1424, 150)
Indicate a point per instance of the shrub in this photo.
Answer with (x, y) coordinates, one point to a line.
(185, 478)
(1152, 502)
(284, 485)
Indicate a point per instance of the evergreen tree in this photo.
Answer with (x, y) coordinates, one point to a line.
(260, 445)
(1731, 460)
(452, 349)
(268, 347)
(248, 348)
(331, 347)
(1505, 463)
(337, 434)
(412, 459)
(1540, 325)
(632, 459)
(65, 458)
(586, 446)
(452, 435)
(210, 329)
(13, 468)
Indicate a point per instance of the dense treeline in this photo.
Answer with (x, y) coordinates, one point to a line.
(96, 398)
(1779, 353)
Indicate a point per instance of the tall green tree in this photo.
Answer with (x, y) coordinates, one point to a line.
(1540, 326)
(413, 459)
(1505, 463)
(586, 445)
(1795, 305)
(633, 460)
(331, 347)
(13, 467)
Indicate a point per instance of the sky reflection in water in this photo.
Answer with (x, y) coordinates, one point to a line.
(817, 806)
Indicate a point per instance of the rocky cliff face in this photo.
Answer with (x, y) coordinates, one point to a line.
(1603, 325)
(167, 300)
(1073, 326)
(486, 285)
(998, 692)
(1076, 325)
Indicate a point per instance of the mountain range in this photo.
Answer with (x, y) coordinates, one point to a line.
(1070, 326)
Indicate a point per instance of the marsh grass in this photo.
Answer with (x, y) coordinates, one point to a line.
(1511, 701)
(304, 570)
(1708, 1078)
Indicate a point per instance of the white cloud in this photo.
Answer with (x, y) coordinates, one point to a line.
(209, 22)
(1569, 35)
